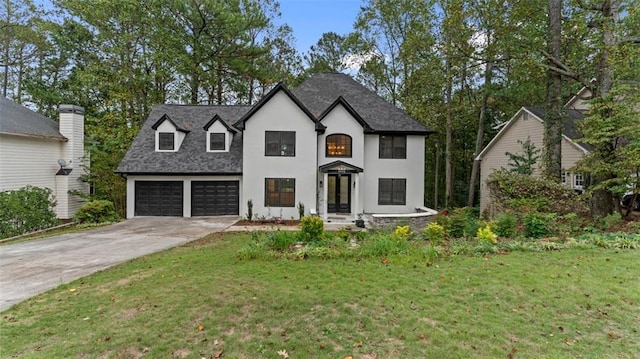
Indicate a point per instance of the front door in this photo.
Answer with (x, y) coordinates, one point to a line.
(339, 196)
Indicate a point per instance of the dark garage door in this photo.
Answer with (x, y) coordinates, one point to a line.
(215, 198)
(159, 198)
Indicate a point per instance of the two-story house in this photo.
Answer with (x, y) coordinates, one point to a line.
(528, 124)
(38, 151)
(331, 145)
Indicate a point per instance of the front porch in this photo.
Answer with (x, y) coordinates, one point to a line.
(340, 193)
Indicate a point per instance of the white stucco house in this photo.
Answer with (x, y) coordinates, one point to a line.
(31, 147)
(528, 123)
(330, 144)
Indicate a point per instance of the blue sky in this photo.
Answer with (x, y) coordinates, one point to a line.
(309, 19)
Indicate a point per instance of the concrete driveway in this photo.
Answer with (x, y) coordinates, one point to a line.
(35, 266)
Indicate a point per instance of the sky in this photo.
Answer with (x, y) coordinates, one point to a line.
(309, 19)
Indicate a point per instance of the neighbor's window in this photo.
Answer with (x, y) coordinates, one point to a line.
(393, 146)
(165, 141)
(280, 192)
(280, 143)
(338, 146)
(565, 175)
(216, 142)
(392, 191)
(578, 180)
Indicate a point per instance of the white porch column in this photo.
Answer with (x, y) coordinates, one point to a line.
(325, 195)
(356, 195)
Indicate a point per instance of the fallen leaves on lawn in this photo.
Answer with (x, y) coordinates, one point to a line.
(200, 327)
(218, 354)
(283, 353)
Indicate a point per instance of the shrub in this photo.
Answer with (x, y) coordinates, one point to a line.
(26, 210)
(486, 235)
(382, 245)
(506, 225)
(311, 228)
(536, 225)
(611, 221)
(402, 232)
(250, 210)
(522, 193)
(434, 233)
(96, 211)
(461, 222)
(281, 240)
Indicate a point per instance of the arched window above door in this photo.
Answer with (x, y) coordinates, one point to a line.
(338, 145)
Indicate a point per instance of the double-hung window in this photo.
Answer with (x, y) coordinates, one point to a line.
(280, 143)
(392, 191)
(280, 192)
(393, 146)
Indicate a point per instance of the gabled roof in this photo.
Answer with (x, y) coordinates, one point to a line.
(182, 127)
(340, 166)
(215, 119)
(240, 124)
(350, 110)
(321, 90)
(569, 131)
(192, 157)
(18, 120)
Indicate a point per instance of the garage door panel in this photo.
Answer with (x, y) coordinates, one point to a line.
(214, 198)
(158, 198)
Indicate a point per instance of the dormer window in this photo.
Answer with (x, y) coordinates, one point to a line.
(166, 141)
(219, 135)
(169, 135)
(217, 141)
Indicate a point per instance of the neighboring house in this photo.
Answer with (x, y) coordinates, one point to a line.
(528, 123)
(331, 144)
(31, 146)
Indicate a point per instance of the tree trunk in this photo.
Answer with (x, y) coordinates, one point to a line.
(435, 177)
(603, 202)
(448, 166)
(475, 170)
(552, 151)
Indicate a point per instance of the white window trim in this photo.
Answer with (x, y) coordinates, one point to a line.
(226, 142)
(579, 176)
(175, 141)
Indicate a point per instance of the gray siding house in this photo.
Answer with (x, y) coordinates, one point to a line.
(330, 144)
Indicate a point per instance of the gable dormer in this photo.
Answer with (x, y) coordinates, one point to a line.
(219, 135)
(168, 134)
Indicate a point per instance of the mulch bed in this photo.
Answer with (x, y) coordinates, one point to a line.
(267, 222)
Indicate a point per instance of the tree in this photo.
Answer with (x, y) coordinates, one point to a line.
(523, 163)
(552, 148)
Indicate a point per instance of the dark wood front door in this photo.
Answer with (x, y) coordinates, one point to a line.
(339, 196)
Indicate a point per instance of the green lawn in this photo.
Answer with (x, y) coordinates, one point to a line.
(201, 301)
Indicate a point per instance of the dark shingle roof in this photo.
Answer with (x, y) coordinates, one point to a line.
(322, 90)
(18, 120)
(192, 157)
(569, 125)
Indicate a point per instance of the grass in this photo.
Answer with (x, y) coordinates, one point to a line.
(200, 300)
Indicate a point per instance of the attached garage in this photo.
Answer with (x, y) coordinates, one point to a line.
(215, 198)
(158, 198)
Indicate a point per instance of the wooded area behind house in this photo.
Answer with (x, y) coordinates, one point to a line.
(459, 66)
